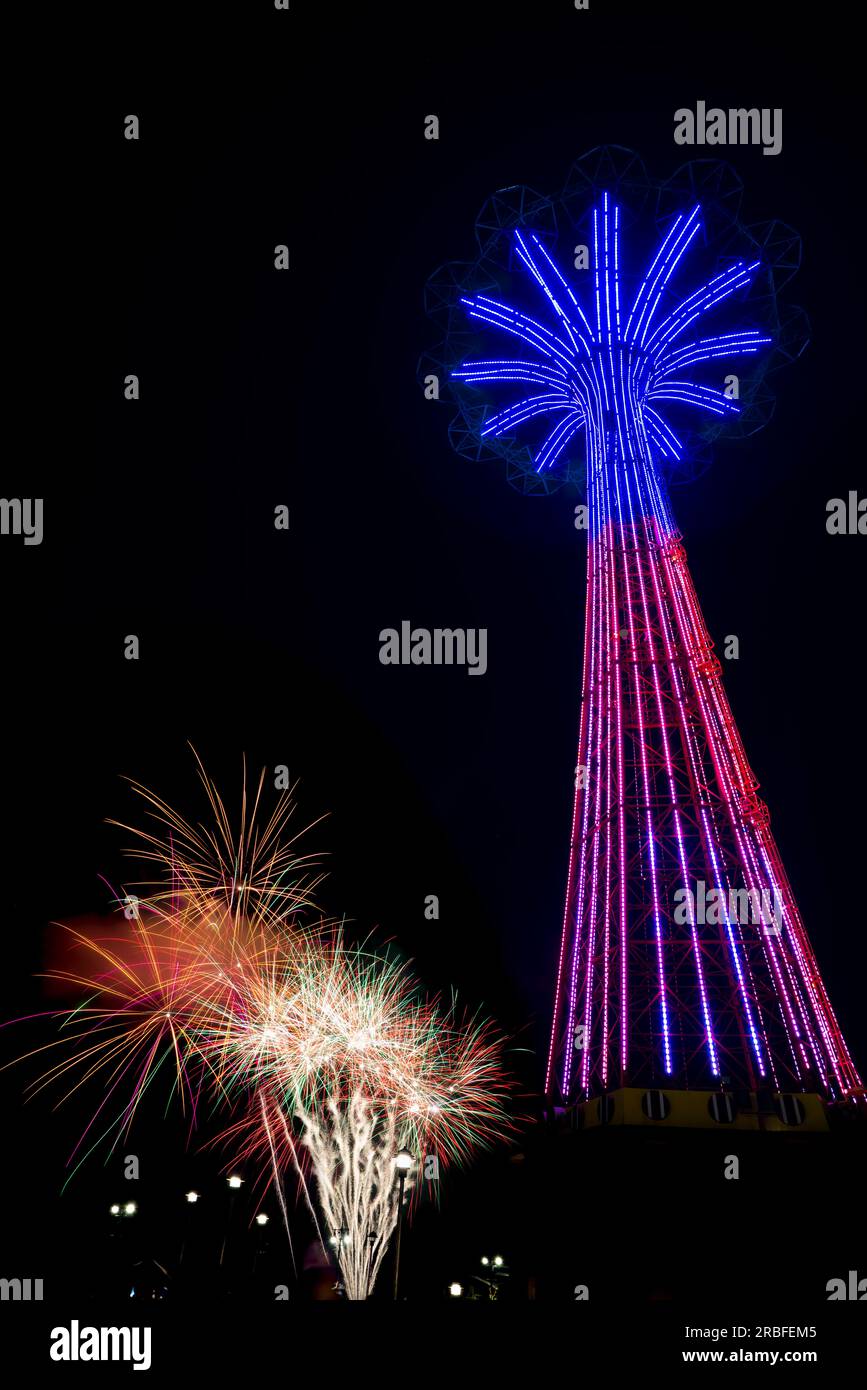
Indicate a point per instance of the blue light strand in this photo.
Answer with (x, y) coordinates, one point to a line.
(527, 409)
(558, 440)
(691, 393)
(671, 264)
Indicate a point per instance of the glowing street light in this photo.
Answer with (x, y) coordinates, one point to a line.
(235, 1182)
(114, 1209)
(130, 1209)
(192, 1196)
(262, 1219)
(456, 1290)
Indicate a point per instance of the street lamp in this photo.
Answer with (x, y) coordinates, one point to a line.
(341, 1237)
(234, 1183)
(403, 1162)
(130, 1209)
(114, 1209)
(190, 1198)
(456, 1290)
(262, 1220)
(496, 1265)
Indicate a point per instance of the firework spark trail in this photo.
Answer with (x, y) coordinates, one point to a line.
(353, 1152)
(278, 1185)
(302, 1180)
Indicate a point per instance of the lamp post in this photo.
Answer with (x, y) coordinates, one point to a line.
(122, 1228)
(261, 1221)
(190, 1198)
(403, 1162)
(497, 1266)
(234, 1183)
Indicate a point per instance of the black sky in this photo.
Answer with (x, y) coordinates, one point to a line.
(261, 388)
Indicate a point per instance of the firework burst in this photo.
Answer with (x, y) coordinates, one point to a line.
(227, 983)
(362, 1066)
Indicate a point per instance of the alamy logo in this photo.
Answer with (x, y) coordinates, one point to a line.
(75, 1343)
(736, 126)
(21, 1290)
(847, 516)
(852, 1291)
(22, 516)
(712, 907)
(440, 646)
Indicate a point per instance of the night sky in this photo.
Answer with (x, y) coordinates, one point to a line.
(260, 388)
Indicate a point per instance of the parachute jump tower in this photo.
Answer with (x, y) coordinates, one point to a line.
(614, 313)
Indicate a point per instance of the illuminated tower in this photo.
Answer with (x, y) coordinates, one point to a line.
(684, 964)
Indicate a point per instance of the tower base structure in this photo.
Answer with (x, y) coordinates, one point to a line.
(731, 1223)
(715, 1110)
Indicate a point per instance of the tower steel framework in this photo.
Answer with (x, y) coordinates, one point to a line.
(684, 962)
